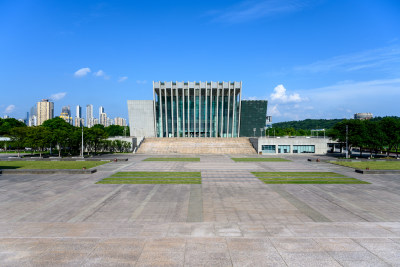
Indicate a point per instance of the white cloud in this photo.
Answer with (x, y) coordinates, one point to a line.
(82, 72)
(58, 96)
(280, 95)
(141, 82)
(9, 109)
(256, 9)
(101, 73)
(122, 79)
(273, 111)
(342, 100)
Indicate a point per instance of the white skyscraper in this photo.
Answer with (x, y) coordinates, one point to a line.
(101, 110)
(89, 116)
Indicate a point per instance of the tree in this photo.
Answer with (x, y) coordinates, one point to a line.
(391, 130)
(60, 132)
(19, 137)
(95, 135)
(6, 125)
(116, 130)
(38, 138)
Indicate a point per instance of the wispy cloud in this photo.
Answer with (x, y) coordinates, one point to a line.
(122, 79)
(141, 82)
(58, 96)
(82, 72)
(9, 109)
(256, 9)
(369, 59)
(101, 73)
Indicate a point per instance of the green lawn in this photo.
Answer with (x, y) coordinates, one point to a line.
(50, 164)
(172, 159)
(305, 178)
(153, 178)
(258, 159)
(372, 165)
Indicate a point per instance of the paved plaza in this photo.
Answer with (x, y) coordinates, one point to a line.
(231, 219)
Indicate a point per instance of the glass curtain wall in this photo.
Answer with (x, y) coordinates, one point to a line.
(197, 109)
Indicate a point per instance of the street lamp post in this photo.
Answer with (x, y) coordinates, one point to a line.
(347, 141)
(82, 142)
(254, 130)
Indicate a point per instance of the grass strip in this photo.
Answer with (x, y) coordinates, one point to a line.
(157, 174)
(50, 164)
(259, 159)
(297, 174)
(150, 181)
(316, 182)
(172, 159)
(305, 178)
(372, 165)
(153, 178)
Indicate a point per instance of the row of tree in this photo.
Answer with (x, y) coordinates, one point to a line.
(372, 135)
(67, 139)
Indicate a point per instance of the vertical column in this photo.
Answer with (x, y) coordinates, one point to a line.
(177, 109)
(205, 114)
(154, 111)
(166, 110)
(194, 109)
(183, 109)
(229, 103)
(234, 109)
(172, 111)
(217, 115)
(199, 110)
(222, 110)
(211, 106)
(188, 114)
(161, 133)
(240, 107)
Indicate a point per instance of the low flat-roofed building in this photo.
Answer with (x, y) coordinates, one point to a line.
(292, 145)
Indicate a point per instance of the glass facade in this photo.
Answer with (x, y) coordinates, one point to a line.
(197, 109)
(268, 148)
(284, 149)
(253, 116)
(304, 149)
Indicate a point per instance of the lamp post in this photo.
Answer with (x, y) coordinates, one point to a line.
(82, 142)
(261, 129)
(347, 141)
(254, 130)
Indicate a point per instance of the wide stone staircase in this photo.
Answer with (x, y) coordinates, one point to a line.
(175, 145)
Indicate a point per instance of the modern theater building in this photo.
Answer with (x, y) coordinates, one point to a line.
(196, 109)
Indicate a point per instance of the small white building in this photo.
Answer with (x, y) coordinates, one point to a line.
(292, 145)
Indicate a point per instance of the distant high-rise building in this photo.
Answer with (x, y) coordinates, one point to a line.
(45, 111)
(6, 117)
(101, 110)
(78, 111)
(89, 116)
(33, 116)
(103, 119)
(66, 114)
(109, 122)
(120, 121)
(79, 122)
(95, 121)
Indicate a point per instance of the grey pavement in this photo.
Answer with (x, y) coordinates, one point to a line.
(231, 219)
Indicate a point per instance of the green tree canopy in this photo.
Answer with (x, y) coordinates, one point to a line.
(6, 125)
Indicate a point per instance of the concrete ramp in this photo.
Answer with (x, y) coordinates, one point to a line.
(175, 145)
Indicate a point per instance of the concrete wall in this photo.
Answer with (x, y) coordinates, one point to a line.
(141, 118)
(321, 144)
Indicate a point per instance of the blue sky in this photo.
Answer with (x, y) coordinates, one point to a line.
(310, 59)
